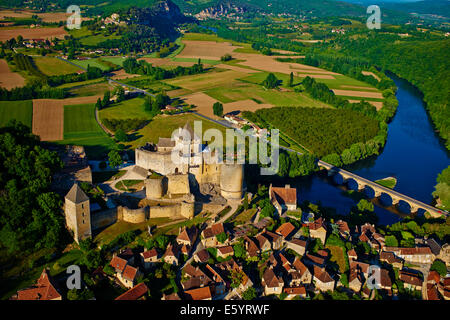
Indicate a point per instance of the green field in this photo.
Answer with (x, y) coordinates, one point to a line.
(80, 128)
(90, 89)
(53, 66)
(20, 110)
(80, 83)
(91, 62)
(389, 182)
(94, 40)
(128, 109)
(204, 61)
(116, 60)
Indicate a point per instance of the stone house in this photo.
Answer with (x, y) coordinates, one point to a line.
(410, 280)
(128, 276)
(285, 230)
(297, 245)
(323, 280)
(271, 283)
(413, 255)
(263, 243)
(314, 260)
(209, 235)
(187, 236)
(283, 199)
(201, 256)
(292, 292)
(318, 230)
(171, 255)
(392, 259)
(304, 273)
(343, 228)
(149, 258)
(385, 280)
(355, 280)
(196, 278)
(220, 284)
(225, 252)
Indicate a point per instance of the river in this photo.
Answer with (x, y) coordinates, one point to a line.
(413, 154)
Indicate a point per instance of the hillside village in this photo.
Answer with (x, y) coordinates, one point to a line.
(291, 255)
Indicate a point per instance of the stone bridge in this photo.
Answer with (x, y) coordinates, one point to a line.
(378, 190)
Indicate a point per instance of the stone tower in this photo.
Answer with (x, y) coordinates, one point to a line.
(78, 213)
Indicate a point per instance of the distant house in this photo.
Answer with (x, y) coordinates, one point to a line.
(283, 199)
(196, 278)
(149, 258)
(171, 255)
(410, 280)
(224, 252)
(385, 280)
(275, 240)
(297, 245)
(271, 283)
(344, 230)
(263, 243)
(314, 260)
(317, 229)
(355, 280)
(44, 289)
(413, 255)
(138, 292)
(219, 282)
(323, 280)
(285, 230)
(125, 273)
(209, 235)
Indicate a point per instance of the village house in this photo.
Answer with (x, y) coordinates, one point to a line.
(410, 280)
(201, 256)
(317, 230)
(297, 245)
(226, 268)
(413, 255)
(138, 292)
(187, 236)
(271, 283)
(251, 247)
(204, 293)
(392, 259)
(343, 228)
(171, 297)
(220, 284)
(293, 292)
(355, 280)
(304, 275)
(283, 199)
(171, 255)
(196, 278)
(285, 230)
(149, 258)
(209, 235)
(263, 243)
(275, 240)
(314, 260)
(125, 273)
(385, 280)
(323, 280)
(225, 252)
(352, 255)
(44, 289)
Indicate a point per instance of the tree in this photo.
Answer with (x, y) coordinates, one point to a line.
(221, 237)
(120, 94)
(271, 81)
(364, 205)
(218, 109)
(391, 241)
(114, 158)
(291, 79)
(121, 135)
(98, 104)
(249, 294)
(82, 294)
(245, 202)
(239, 250)
(440, 267)
(106, 98)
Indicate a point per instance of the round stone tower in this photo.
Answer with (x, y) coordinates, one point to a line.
(231, 181)
(154, 187)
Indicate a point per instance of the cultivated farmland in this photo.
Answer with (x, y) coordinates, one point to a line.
(9, 79)
(19, 110)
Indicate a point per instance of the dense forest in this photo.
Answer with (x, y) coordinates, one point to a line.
(426, 64)
(322, 131)
(30, 215)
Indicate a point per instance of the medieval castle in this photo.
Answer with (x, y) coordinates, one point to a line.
(169, 186)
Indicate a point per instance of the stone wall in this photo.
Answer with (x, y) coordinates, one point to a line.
(104, 218)
(231, 181)
(134, 215)
(178, 184)
(170, 211)
(159, 162)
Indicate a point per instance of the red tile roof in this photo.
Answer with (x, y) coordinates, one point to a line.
(434, 276)
(134, 293)
(319, 223)
(287, 195)
(432, 292)
(410, 278)
(409, 251)
(322, 275)
(149, 254)
(301, 290)
(299, 266)
(198, 294)
(270, 279)
(285, 229)
(225, 250)
(118, 263)
(202, 255)
(213, 231)
(43, 290)
(129, 273)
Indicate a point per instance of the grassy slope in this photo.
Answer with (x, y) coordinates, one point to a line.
(128, 109)
(53, 66)
(20, 110)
